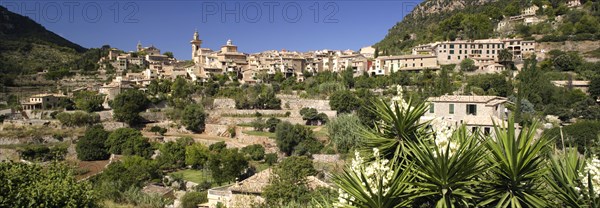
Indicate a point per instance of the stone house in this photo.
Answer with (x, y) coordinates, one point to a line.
(476, 112)
(43, 101)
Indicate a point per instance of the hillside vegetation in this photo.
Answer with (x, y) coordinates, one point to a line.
(27, 47)
(439, 20)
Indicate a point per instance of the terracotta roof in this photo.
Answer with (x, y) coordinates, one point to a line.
(259, 181)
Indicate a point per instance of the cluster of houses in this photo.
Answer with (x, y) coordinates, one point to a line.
(529, 16)
(251, 68)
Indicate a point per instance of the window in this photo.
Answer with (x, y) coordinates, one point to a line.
(471, 109)
(486, 130)
(448, 57)
(451, 108)
(431, 108)
(451, 51)
(451, 45)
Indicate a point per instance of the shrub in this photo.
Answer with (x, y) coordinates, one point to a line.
(78, 118)
(193, 118)
(159, 130)
(271, 124)
(192, 199)
(91, 145)
(255, 152)
(271, 158)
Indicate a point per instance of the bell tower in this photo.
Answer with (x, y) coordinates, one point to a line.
(196, 44)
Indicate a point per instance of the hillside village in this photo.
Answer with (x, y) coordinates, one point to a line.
(324, 128)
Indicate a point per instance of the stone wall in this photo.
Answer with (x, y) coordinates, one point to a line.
(224, 103)
(293, 103)
(266, 113)
(154, 116)
(326, 158)
(580, 46)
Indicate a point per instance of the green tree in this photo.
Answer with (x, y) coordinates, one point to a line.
(271, 158)
(313, 117)
(582, 135)
(51, 185)
(91, 146)
(180, 88)
(196, 155)
(366, 112)
(127, 106)
(342, 131)
(169, 54)
(227, 165)
(343, 101)
(468, 65)
(567, 61)
(288, 182)
(89, 101)
(477, 26)
(271, 124)
(443, 84)
(130, 171)
(194, 117)
(78, 118)
(288, 136)
(255, 152)
(192, 199)
(128, 141)
(505, 58)
(595, 87)
(172, 154)
(348, 77)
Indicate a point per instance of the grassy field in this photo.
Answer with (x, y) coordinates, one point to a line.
(260, 133)
(196, 176)
(260, 166)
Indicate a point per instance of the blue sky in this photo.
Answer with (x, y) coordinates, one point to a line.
(254, 26)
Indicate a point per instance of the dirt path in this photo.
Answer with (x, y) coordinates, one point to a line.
(202, 138)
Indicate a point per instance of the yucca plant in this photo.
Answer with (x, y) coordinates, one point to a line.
(376, 184)
(447, 170)
(399, 124)
(563, 178)
(517, 167)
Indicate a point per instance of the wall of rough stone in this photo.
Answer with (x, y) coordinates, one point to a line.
(293, 103)
(295, 113)
(224, 103)
(154, 116)
(581, 46)
(326, 158)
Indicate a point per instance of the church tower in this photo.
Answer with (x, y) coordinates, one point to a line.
(196, 44)
(139, 46)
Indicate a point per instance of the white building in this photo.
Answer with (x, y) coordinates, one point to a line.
(476, 112)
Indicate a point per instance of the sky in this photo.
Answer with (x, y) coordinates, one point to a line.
(254, 26)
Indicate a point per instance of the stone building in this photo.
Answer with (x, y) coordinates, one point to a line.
(43, 101)
(476, 112)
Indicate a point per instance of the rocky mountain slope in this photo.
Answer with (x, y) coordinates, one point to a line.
(439, 20)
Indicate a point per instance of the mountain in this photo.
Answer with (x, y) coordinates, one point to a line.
(436, 20)
(27, 47)
(439, 20)
(17, 27)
